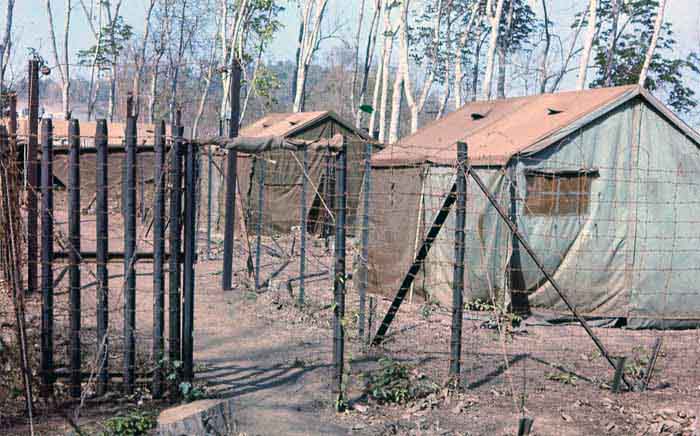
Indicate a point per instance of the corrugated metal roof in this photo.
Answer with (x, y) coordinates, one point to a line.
(287, 124)
(498, 129)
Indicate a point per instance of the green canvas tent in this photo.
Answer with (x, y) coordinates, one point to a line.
(602, 183)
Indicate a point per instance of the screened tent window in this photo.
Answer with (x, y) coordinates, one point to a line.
(558, 193)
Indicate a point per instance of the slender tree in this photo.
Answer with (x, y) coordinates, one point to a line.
(587, 44)
(6, 45)
(62, 63)
(495, 24)
(652, 45)
(312, 13)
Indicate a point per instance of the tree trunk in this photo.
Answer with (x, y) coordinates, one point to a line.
(375, 99)
(177, 63)
(459, 72)
(610, 57)
(475, 69)
(112, 92)
(416, 104)
(396, 106)
(141, 58)
(548, 42)
(369, 55)
(202, 102)
(5, 47)
(310, 40)
(587, 44)
(652, 45)
(491, 56)
(501, 82)
(570, 54)
(153, 94)
(61, 64)
(386, 71)
(503, 50)
(297, 57)
(356, 58)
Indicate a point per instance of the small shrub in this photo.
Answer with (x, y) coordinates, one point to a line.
(394, 382)
(190, 392)
(134, 424)
(562, 377)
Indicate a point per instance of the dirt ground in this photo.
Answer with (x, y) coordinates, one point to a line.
(274, 359)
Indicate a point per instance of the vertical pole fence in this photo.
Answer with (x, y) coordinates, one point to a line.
(339, 275)
(303, 226)
(74, 257)
(32, 176)
(364, 247)
(458, 277)
(158, 251)
(47, 374)
(129, 254)
(231, 177)
(102, 252)
(188, 280)
(174, 247)
(261, 167)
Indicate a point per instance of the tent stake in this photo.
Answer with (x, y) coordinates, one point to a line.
(525, 426)
(652, 363)
(619, 371)
(416, 266)
(541, 267)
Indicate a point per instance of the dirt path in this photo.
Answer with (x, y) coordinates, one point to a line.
(278, 377)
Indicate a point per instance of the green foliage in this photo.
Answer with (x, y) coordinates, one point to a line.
(134, 424)
(428, 308)
(190, 392)
(266, 83)
(566, 378)
(113, 39)
(424, 50)
(394, 383)
(635, 26)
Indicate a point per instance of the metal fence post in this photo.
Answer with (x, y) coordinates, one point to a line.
(102, 253)
(47, 376)
(74, 255)
(458, 278)
(32, 176)
(231, 176)
(174, 246)
(158, 250)
(303, 225)
(339, 275)
(326, 227)
(129, 254)
(364, 248)
(262, 164)
(188, 279)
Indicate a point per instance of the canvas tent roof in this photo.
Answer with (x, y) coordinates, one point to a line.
(115, 131)
(496, 130)
(287, 124)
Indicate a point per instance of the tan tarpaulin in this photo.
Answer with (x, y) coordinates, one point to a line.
(394, 205)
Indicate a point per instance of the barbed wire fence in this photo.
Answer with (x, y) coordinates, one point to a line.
(536, 281)
(533, 282)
